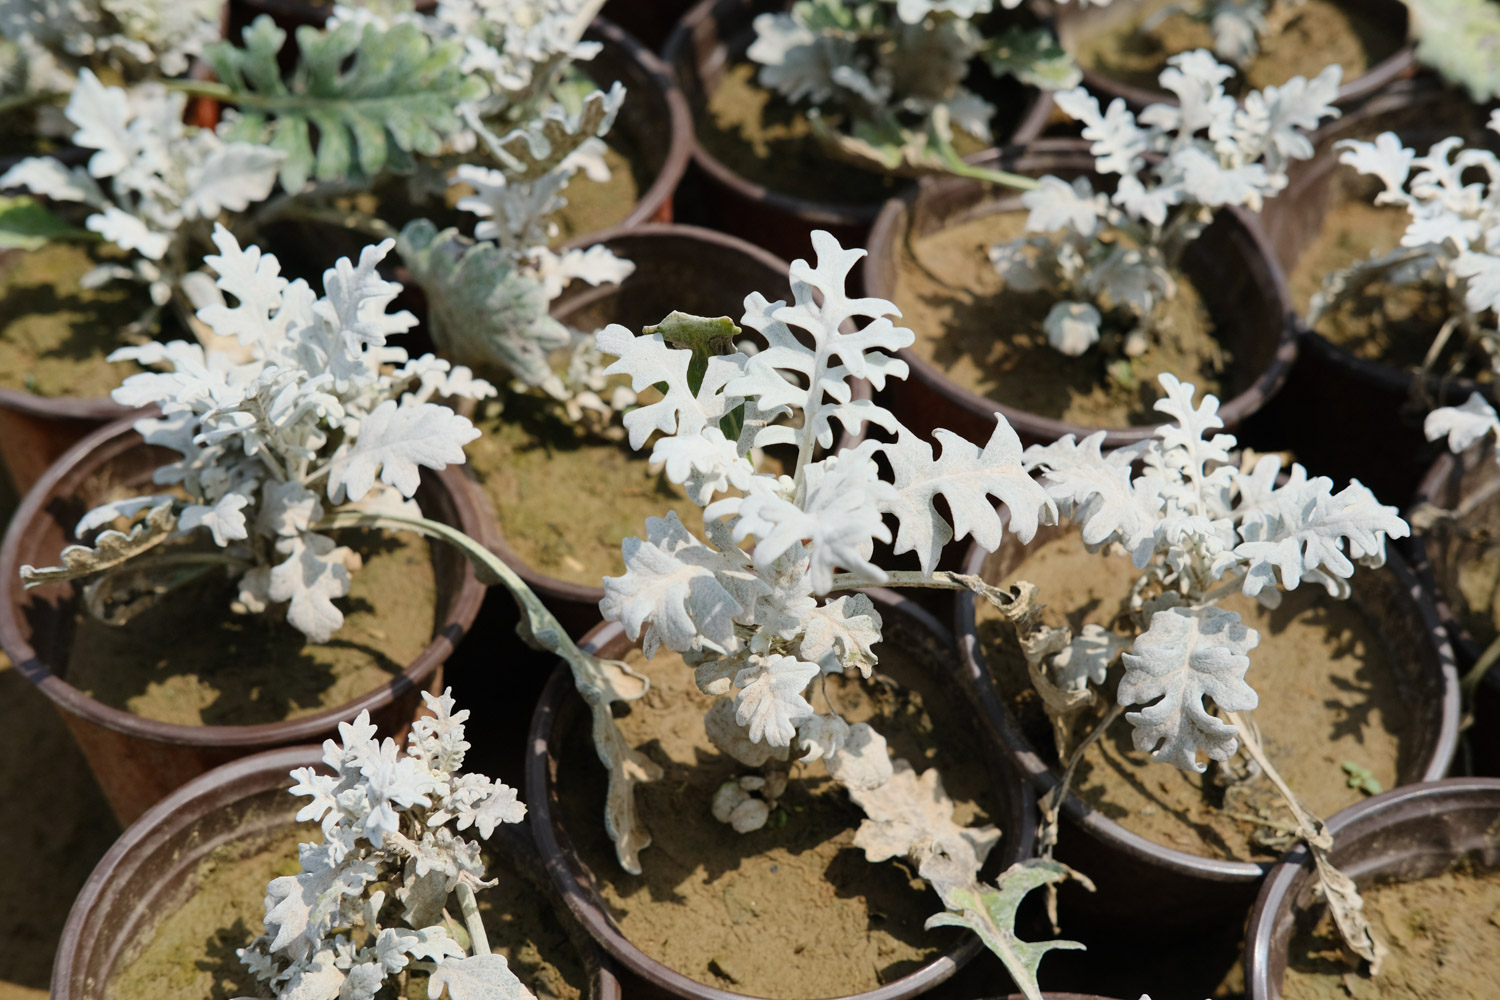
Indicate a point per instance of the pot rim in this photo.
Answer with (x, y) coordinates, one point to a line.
(215, 789)
(885, 237)
(1041, 776)
(1358, 820)
(680, 128)
(1398, 64)
(120, 436)
(571, 880)
(700, 20)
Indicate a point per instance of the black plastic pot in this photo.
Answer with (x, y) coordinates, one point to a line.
(137, 760)
(1402, 836)
(1231, 265)
(560, 709)
(711, 38)
(154, 867)
(1077, 23)
(1437, 555)
(1140, 877)
(1344, 415)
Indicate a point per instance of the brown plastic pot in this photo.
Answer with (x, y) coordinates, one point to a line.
(137, 760)
(1344, 415)
(560, 709)
(1076, 24)
(706, 43)
(676, 267)
(1136, 876)
(153, 868)
(1404, 835)
(1437, 554)
(1230, 264)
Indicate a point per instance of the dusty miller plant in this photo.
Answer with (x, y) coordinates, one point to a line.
(154, 187)
(1177, 165)
(883, 80)
(489, 299)
(44, 44)
(1461, 40)
(1451, 244)
(1198, 527)
(755, 621)
(321, 409)
(393, 820)
(1238, 26)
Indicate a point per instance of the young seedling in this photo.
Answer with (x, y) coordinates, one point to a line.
(1451, 245)
(1111, 260)
(393, 820)
(883, 81)
(1198, 527)
(756, 621)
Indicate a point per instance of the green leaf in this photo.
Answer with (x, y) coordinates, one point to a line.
(990, 912)
(371, 95)
(481, 311)
(1034, 57)
(27, 224)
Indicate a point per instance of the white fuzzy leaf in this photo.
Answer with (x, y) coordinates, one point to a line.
(770, 703)
(397, 440)
(841, 634)
(966, 477)
(476, 977)
(1187, 655)
(230, 178)
(47, 178)
(1462, 425)
(1072, 327)
(314, 572)
(129, 233)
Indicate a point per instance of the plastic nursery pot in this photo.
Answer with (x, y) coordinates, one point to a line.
(1230, 264)
(707, 44)
(1402, 836)
(1140, 877)
(1346, 415)
(676, 267)
(155, 867)
(35, 430)
(560, 710)
(1438, 555)
(651, 22)
(138, 760)
(1078, 28)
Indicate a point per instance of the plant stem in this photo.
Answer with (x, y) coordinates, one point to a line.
(17, 102)
(470, 908)
(1471, 680)
(955, 164)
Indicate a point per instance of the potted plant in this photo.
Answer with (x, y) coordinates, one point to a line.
(1425, 860)
(748, 618)
(204, 858)
(1213, 543)
(1121, 45)
(778, 89)
(1139, 258)
(1396, 306)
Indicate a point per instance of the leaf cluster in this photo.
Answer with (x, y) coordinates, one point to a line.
(322, 397)
(1199, 526)
(1176, 165)
(371, 902)
(884, 80)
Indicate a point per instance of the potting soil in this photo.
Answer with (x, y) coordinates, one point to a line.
(1315, 34)
(1329, 695)
(190, 660)
(792, 910)
(55, 335)
(566, 500)
(1442, 936)
(991, 341)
